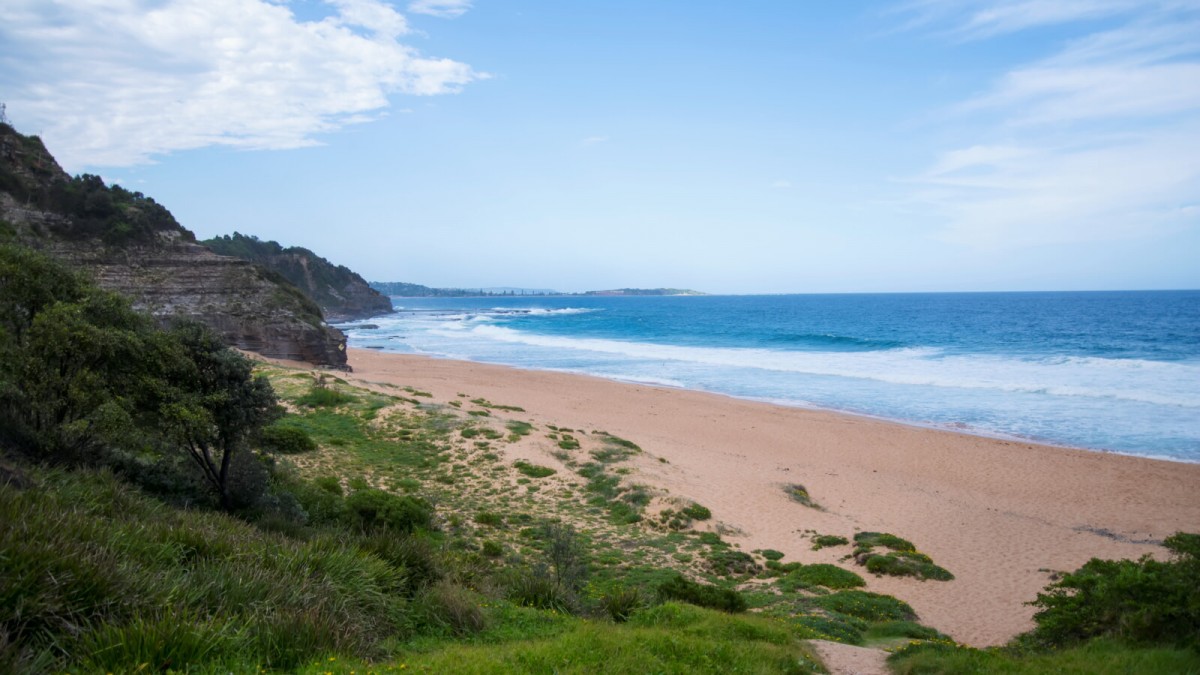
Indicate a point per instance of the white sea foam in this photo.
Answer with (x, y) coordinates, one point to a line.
(1159, 383)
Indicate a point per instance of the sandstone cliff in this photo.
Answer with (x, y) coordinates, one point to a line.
(342, 294)
(133, 245)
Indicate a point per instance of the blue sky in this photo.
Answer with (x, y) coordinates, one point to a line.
(763, 146)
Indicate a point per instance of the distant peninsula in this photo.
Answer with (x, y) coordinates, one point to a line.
(408, 290)
(645, 291)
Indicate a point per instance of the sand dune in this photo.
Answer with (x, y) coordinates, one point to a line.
(998, 514)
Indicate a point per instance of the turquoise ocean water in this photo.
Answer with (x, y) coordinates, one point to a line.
(1117, 371)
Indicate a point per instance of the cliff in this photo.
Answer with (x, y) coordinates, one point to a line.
(131, 244)
(341, 294)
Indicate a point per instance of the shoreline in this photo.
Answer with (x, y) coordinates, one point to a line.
(930, 426)
(1000, 514)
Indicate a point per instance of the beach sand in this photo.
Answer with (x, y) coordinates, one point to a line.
(1001, 515)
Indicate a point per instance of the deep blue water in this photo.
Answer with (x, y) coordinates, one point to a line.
(1105, 370)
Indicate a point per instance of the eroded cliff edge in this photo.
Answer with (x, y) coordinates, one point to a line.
(132, 245)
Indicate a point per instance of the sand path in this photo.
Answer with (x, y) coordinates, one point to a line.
(998, 514)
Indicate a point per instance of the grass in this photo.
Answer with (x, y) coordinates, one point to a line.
(1099, 657)
(820, 574)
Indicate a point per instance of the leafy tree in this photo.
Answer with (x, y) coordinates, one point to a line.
(218, 406)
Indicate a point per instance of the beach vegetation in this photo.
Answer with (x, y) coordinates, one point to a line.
(285, 439)
(819, 574)
(696, 512)
(771, 554)
(799, 494)
(683, 589)
(866, 605)
(820, 541)
(534, 470)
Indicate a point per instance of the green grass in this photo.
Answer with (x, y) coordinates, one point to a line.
(667, 639)
(1099, 657)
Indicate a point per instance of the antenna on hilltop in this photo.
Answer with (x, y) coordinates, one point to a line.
(3, 113)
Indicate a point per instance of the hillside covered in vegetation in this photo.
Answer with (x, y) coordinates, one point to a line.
(131, 244)
(342, 294)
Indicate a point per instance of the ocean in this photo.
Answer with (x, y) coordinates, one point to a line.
(1114, 371)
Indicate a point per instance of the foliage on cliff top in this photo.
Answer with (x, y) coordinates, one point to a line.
(329, 285)
(117, 216)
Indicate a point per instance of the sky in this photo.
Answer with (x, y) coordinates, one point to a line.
(765, 146)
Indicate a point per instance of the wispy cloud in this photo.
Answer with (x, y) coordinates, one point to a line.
(446, 9)
(1100, 140)
(116, 83)
(781, 184)
(593, 140)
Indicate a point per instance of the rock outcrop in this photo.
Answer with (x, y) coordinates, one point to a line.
(132, 245)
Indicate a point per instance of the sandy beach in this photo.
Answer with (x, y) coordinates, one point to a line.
(1000, 515)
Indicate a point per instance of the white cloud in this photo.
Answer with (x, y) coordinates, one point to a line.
(977, 19)
(117, 82)
(781, 184)
(1099, 141)
(446, 9)
(593, 140)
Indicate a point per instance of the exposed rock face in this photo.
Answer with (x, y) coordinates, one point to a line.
(342, 294)
(131, 245)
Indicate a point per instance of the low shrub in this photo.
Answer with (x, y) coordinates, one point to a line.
(489, 518)
(621, 603)
(865, 541)
(703, 595)
(727, 561)
(907, 564)
(447, 608)
(821, 574)
(838, 627)
(697, 512)
(821, 541)
(373, 508)
(866, 605)
(534, 470)
(285, 440)
(771, 554)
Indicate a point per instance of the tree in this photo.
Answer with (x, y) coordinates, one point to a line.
(218, 406)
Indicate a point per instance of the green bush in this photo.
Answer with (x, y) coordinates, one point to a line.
(621, 603)
(771, 554)
(821, 574)
(534, 470)
(1144, 601)
(821, 541)
(905, 563)
(697, 512)
(447, 608)
(373, 508)
(866, 605)
(489, 518)
(727, 561)
(867, 540)
(703, 595)
(285, 440)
